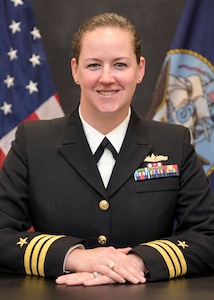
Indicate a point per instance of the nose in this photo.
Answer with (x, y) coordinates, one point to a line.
(106, 76)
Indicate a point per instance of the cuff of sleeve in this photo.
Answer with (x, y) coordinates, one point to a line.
(163, 259)
(80, 246)
(45, 254)
(153, 263)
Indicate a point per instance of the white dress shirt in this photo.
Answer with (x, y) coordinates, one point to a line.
(94, 138)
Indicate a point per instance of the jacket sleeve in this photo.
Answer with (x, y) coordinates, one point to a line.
(22, 250)
(191, 247)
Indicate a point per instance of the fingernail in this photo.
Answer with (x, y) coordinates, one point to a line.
(135, 280)
(122, 280)
(58, 280)
(142, 279)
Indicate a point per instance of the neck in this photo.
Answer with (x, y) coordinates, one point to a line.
(104, 122)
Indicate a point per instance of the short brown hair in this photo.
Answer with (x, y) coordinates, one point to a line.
(106, 20)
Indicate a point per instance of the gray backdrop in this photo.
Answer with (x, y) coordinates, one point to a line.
(156, 21)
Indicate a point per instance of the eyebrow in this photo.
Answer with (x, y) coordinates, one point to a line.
(116, 59)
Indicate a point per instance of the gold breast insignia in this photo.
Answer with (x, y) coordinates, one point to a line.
(155, 158)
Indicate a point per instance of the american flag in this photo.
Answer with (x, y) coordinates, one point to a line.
(27, 91)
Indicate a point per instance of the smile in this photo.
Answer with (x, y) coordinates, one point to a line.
(107, 93)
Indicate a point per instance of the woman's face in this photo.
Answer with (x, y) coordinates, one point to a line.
(107, 71)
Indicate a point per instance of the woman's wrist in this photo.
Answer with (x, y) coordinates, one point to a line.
(71, 258)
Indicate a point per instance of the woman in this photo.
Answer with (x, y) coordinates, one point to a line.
(137, 209)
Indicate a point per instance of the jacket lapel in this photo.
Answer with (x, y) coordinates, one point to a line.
(76, 151)
(133, 151)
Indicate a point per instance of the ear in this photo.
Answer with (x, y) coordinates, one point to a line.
(74, 69)
(141, 69)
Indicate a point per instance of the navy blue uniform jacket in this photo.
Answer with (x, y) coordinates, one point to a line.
(50, 181)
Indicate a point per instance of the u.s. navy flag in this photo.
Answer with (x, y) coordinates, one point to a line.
(26, 87)
(185, 89)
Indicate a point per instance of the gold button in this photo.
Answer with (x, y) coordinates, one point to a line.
(104, 205)
(102, 239)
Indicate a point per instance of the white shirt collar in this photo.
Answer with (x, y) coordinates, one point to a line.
(116, 136)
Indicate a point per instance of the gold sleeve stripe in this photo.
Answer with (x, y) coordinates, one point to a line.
(172, 256)
(166, 258)
(36, 254)
(28, 253)
(174, 260)
(44, 250)
(36, 251)
(180, 256)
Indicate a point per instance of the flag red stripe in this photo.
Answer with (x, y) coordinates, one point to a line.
(57, 98)
(2, 157)
(32, 117)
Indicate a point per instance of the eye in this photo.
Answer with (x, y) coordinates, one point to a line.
(120, 65)
(93, 66)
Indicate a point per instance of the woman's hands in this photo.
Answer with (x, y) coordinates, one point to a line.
(103, 266)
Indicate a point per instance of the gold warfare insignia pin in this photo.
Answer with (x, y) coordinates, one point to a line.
(155, 158)
(22, 242)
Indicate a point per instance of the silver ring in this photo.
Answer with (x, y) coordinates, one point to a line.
(96, 274)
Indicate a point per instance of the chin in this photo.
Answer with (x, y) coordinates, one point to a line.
(108, 110)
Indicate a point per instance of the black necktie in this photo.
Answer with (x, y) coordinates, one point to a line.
(104, 144)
